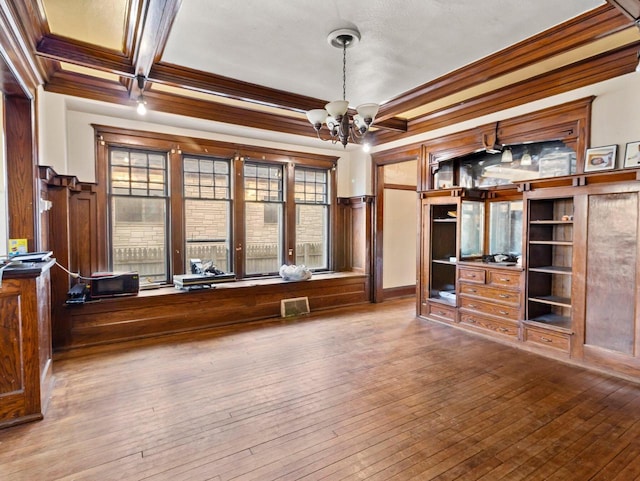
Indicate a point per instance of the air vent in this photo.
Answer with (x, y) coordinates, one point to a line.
(294, 307)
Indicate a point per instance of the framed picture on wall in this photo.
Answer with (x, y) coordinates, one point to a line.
(600, 158)
(632, 155)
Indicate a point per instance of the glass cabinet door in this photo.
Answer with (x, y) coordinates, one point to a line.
(472, 230)
(505, 227)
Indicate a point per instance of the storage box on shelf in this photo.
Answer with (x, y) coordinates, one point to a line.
(490, 298)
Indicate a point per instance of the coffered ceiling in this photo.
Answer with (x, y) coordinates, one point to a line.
(264, 63)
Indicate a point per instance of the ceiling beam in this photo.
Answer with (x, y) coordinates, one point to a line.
(84, 54)
(631, 8)
(153, 24)
(579, 31)
(596, 69)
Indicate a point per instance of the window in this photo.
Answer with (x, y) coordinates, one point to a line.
(207, 210)
(263, 195)
(138, 204)
(312, 217)
(161, 205)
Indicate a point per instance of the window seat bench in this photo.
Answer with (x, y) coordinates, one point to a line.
(169, 310)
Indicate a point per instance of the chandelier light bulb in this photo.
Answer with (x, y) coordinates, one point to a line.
(141, 108)
(341, 124)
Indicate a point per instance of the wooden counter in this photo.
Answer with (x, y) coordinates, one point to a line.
(25, 343)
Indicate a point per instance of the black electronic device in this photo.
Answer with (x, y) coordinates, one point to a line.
(112, 284)
(78, 294)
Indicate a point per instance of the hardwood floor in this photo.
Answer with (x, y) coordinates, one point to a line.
(367, 392)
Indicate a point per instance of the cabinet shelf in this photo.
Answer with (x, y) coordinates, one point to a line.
(443, 261)
(551, 243)
(442, 300)
(551, 222)
(553, 321)
(567, 271)
(552, 300)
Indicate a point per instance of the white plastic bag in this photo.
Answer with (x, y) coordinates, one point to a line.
(295, 273)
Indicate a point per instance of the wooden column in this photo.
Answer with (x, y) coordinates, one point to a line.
(21, 170)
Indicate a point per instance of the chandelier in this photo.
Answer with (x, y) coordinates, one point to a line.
(342, 127)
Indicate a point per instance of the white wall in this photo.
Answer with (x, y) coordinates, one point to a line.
(399, 238)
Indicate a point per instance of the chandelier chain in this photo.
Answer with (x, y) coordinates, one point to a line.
(344, 71)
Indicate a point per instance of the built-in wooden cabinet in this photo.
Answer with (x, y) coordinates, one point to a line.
(576, 295)
(490, 298)
(26, 375)
(574, 291)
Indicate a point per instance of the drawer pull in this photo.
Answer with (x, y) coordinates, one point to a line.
(504, 296)
(545, 339)
(440, 313)
(503, 279)
(503, 329)
(471, 321)
(472, 275)
(472, 290)
(472, 306)
(504, 313)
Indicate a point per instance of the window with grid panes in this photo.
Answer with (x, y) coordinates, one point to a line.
(264, 220)
(138, 198)
(312, 217)
(207, 210)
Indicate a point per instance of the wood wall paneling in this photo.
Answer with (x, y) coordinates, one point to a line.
(611, 272)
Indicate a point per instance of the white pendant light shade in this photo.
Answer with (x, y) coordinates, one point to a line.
(368, 112)
(507, 156)
(526, 158)
(337, 108)
(317, 116)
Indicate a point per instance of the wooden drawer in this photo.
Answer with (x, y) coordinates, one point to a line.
(504, 278)
(485, 307)
(543, 337)
(441, 312)
(503, 296)
(502, 327)
(471, 275)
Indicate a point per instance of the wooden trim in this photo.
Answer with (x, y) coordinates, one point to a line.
(176, 199)
(597, 69)
(177, 76)
(288, 244)
(20, 75)
(567, 36)
(411, 188)
(398, 292)
(84, 54)
(239, 236)
(378, 235)
(630, 8)
(397, 155)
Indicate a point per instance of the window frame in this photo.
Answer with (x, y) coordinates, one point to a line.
(108, 136)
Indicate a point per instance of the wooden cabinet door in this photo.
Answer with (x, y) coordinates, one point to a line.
(611, 318)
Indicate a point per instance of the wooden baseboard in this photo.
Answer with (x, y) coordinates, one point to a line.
(398, 292)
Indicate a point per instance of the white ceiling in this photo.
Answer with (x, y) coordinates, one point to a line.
(405, 43)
